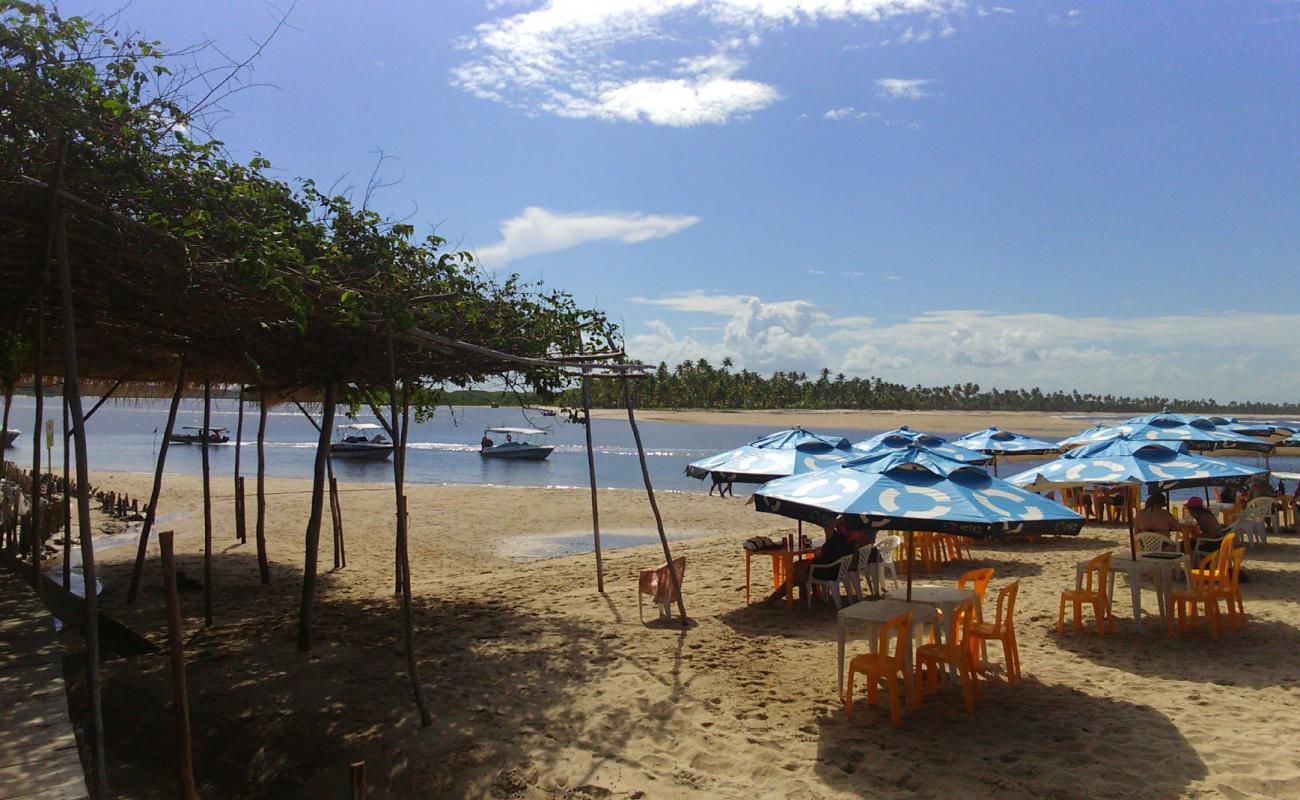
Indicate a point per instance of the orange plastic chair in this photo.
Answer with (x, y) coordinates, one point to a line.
(1231, 590)
(955, 651)
(659, 585)
(1212, 571)
(1183, 603)
(881, 665)
(1094, 594)
(980, 579)
(1001, 629)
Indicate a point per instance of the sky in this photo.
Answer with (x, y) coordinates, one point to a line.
(1092, 196)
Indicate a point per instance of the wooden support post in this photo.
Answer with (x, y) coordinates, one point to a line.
(151, 513)
(654, 506)
(336, 516)
(207, 503)
(314, 520)
(180, 693)
(67, 498)
(99, 769)
(591, 474)
(34, 530)
(241, 532)
(9, 399)
(263, 567)
(358, 774)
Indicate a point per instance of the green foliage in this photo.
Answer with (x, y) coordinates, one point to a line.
(698, 384)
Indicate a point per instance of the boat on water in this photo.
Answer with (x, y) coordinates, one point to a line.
(516, 444)
(361, 441)
(191, 435)
(9, 437)
(548, 412)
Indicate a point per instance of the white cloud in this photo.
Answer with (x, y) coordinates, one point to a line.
(539, 230)
(847, 112)
(904, 88)
(589, 60)
(698, 301)
(1074, 12)
(661, 344)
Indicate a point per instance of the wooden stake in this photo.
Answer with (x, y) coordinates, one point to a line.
(336, 516)
(358, 770)
(99, 768)
(313, 521)
(67, 498)
(180, 693)
(654, 506)
(151, 513)
(591, 474)
(241, 531)
(263, 567)
(34, 532)
(207, 504)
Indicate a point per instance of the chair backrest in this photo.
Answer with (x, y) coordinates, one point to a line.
(1152, 542)
(887, 545)
(1259, 508)
(901, 628)
(1006, 605)
(864, 556)
(980, 577)
(1097, 566)
(837, 570)
(659, 584)
(1225, 551)
(962, 616)
(1234, 566)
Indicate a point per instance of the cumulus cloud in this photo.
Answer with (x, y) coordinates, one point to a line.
(539, 230)
(904, 88)
(588, 60)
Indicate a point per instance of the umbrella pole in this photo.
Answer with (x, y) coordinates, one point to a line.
(910, 552)
(1132, 539)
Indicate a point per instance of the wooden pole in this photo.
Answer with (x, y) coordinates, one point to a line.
(9, 398)
(335, 521)
(151, 513)
(313, 521)
(207, 503)
(358, 773)
(401, 425)
(180, 693)
(99, 768)
(654, 506)
(241, 531)
(591, 474)
(34, 532)
(263, 566)
(67, 497)
(910, 556)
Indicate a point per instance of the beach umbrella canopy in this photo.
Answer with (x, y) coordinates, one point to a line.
(917, 489)
(904, 438)
(776, 455)
(1166, 465)
(1200, 434)
(1005, 443)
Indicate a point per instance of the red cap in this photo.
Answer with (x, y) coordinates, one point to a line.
(1195, 502)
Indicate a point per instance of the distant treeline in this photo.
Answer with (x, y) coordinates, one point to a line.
(698, 384)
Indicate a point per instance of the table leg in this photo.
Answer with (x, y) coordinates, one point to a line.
(748, 555)
(1135, 591)
(788, 563)
(909, 684)
(841, 627)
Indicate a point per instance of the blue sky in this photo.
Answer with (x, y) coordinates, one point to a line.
(1095, 196)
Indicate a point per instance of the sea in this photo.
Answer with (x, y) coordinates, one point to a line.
(123, 435)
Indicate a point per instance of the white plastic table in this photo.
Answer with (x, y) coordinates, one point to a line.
(872, 614)
(1164, 565)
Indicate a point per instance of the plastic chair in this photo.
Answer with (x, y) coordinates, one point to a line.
(868, 572)
(1002, 629)
(841, 569)
(1183, 603)
(1231, 590)
(1252, 523)
(1153, 542)
(954, 651)
(1213, 569)
(888, 546)
(979, 578)
(881, 665)
(1088, 592)
(659, 585)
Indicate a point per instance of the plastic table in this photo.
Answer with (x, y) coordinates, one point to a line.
(872, 614)
(1164, 565)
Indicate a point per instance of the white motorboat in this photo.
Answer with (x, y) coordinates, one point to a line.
(9, 437)
(361, 441)
(516, 444)
(192, 435)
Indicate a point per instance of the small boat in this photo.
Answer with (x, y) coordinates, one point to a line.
(495, 404)
(192, 435)
(361, 441)
(515, 446)
(548, 412)
(9, 437)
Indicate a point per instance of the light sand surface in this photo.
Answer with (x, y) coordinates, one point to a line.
(540, 687)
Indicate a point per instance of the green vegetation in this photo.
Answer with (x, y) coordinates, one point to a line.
(698, 384)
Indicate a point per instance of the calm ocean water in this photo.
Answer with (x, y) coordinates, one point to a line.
(125, 435)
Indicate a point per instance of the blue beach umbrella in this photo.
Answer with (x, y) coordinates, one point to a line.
(904, 438)
(776, 455)
(1198, 434)
(998, 442)
(1124, 462)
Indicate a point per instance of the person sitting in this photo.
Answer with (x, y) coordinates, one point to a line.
(487, 442)
(1207, 533)
(1155, 516)
(836, 546)
(1228, 494)
(509, 438)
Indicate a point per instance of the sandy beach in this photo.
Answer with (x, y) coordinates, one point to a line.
(541, 688)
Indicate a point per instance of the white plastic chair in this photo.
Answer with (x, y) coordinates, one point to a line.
(868, 572)
(843, 570)
(1153, 542)
(1251, 526)
(887, 546)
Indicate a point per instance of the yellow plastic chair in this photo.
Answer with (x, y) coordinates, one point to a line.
(1089, 592)
(933, 659)
(979, 580)
(1213, 569)
(1231, 590)
(881, 665)
(1002, 629)
(1183, 603)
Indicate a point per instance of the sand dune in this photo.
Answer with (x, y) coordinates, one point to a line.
(540, 687)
